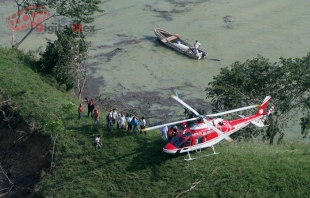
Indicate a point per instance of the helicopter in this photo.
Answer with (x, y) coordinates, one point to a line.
(209, 130)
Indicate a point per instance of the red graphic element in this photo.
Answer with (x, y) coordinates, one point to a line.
(77, 27)
(28, 17)
(40, 28)
(25, 18)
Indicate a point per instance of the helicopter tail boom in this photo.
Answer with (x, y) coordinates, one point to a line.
(262, 108)
(260, 122)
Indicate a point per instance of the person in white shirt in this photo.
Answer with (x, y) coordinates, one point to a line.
(142, 125)
(196, 46)
(97, 143)
(114, 116)
(164, 131)
(121, 120)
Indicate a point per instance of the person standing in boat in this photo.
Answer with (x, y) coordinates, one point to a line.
(196, 46)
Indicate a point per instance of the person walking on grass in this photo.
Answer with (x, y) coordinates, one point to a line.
(97, 143)
(142, 125)
(80, 109)
(96, 117)
(134, 123)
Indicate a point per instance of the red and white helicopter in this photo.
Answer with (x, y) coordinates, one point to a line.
(208, 130)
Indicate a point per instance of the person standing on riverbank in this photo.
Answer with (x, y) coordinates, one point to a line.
(80, 110)
(96, 117)
(134, 123)
(91, 107)
(129, 119)
(142, 125)
(122, 121)
(109, 119)
(114, 116)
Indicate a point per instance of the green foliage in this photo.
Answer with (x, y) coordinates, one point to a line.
(62, 58)
(78, 11)
(32, 96)
(58, 125)
(242, 84)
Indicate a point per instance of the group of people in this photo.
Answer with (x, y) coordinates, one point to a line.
(169, 134)
(120, 120)
(112, 118)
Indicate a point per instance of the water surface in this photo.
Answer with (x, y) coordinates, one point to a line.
(228, 30)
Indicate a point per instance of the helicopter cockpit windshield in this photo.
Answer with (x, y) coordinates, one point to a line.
(178, 142)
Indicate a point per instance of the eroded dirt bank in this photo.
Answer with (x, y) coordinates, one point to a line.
(24, 157)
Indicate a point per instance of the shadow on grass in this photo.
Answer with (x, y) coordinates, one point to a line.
(150, 154)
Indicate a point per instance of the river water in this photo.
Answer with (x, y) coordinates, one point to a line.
(229, 30)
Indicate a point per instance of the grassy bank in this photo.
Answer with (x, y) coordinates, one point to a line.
(133, 165)
(35, 97)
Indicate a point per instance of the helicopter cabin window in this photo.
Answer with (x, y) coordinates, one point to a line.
(198, 140)
(188, 142)
(178, 142)
(187, 134)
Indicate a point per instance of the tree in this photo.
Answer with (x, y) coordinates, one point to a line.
(287, 82)
(57, 126)
(63, 59)
(37, 12)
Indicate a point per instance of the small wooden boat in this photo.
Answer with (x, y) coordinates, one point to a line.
(174, 41)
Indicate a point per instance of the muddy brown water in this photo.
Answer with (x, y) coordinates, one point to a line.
(127, 61)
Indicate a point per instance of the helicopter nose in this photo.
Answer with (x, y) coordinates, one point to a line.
(170, 148)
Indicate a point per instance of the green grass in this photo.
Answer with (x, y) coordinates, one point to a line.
(33, 96)
(133, 165)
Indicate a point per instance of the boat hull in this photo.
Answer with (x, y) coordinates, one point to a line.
(175, 42)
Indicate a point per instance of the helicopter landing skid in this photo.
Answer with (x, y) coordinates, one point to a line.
(189, 156)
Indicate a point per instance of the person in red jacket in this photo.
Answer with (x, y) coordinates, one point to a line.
(170, 134)
(96, 117)
(80, 109)
(91, 107)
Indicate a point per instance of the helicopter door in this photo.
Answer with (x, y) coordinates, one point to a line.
(198, 140)
(188, 142)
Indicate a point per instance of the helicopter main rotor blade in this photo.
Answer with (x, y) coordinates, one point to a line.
(199, 117)
(168, 124)
(232, 111)
(217, 130)
(185, 105)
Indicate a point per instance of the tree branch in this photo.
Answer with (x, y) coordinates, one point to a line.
(191, 188)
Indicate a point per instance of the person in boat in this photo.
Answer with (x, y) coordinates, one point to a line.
(196, 46)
